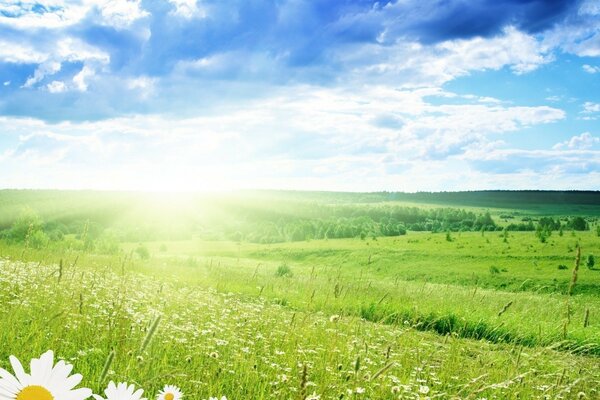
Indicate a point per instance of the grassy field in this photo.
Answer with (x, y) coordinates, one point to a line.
(484, 314)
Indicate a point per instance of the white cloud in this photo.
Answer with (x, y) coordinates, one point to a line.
(590, 108)
(590, 69)
(45, 69)
(188, 8)
(412, 64)
(56, 87)
(309, 134)
(144, 85)
(71, 49)
(120, 13)
(584, 141)
(80, 80)
(60, 14)
(19, 53)
(50, 61)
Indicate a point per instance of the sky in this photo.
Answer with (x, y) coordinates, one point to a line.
(203, 95)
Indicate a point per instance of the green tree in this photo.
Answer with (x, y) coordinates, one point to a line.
(26, 224)
(578, 224)
(591, 261)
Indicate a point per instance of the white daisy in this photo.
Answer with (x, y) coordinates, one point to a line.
(45, 381)
(121, 391)
(170, 392)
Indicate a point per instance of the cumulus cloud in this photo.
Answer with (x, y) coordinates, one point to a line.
(56, 87)
(584, 141)
(45, 69)
(57, 14)
(591, 69)
(315, 132)
(304, 88)
(590, 107)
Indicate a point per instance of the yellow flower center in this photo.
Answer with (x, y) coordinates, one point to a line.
(169, 396)
(34, 393)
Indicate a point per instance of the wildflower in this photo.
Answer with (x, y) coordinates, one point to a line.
(334, 318)
(423, 389)
(313, 396)
(121, 391)
(46, 381)
(170, 392)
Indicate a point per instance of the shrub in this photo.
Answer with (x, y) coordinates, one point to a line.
(142, 252)
(283, 270)
(26, 225)
(494, 270)
(38, 240)
(591, 261)
(562, 266)
(448, 236)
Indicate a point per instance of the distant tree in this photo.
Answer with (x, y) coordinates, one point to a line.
(578, 224)
(549, 223)
(26, 224)
(591, 261)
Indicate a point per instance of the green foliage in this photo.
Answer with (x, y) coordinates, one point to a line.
(448, 236)
(590, 261)
(142, 252)
(38, 239)
(494, 270)
(543, 233)
(283, 270)
(578, 224)
(27, 224)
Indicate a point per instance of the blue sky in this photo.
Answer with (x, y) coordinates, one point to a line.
(361, 95)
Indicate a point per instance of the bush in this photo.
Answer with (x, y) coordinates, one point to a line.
(143, 252)
(25, 226)
(578, 224)
(283, 270)
(448, 237)
(562, 266)
(591, 261)
(38, 240)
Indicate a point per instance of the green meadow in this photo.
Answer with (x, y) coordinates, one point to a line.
(293, 295)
